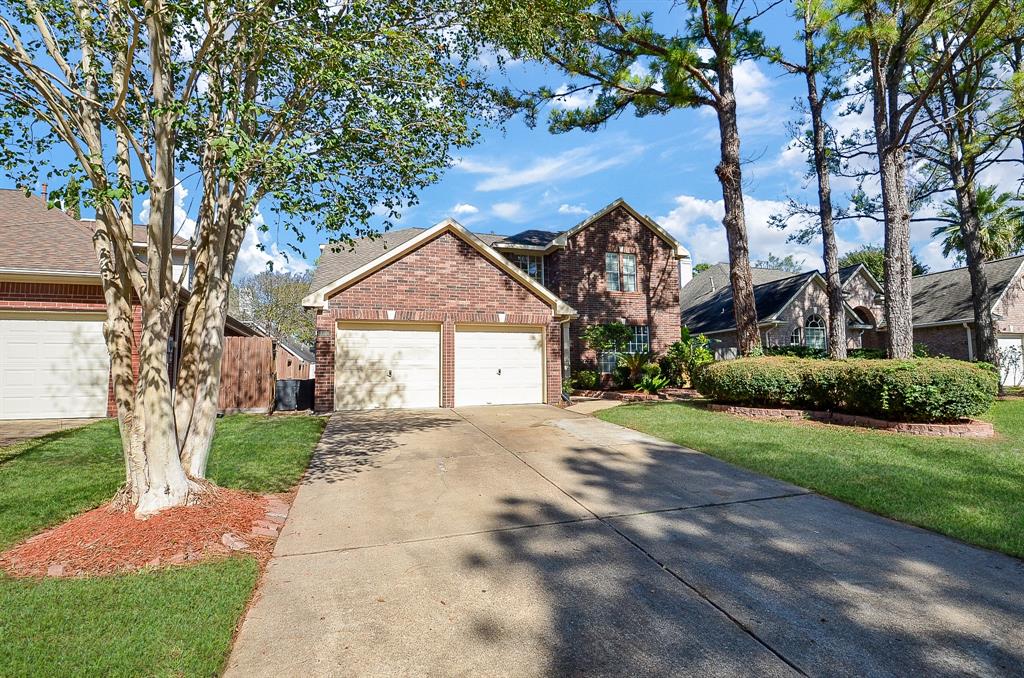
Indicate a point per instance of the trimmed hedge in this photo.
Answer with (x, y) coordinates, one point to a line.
(921, 389)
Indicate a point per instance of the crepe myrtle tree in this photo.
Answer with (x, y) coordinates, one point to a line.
(325, 112)
(629, 63)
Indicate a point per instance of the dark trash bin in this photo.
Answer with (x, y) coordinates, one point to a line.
(291, 395)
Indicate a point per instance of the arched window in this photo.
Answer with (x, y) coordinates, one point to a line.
(814, 332)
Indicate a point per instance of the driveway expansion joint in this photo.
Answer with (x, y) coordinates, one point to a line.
(675, 575)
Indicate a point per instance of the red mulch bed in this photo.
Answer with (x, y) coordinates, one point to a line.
(107, 540)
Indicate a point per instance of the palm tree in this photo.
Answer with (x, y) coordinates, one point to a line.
(1002, 226)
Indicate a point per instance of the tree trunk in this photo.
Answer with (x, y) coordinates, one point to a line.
(728, 172)
(899, 316)
(830, 251)
(986, 346)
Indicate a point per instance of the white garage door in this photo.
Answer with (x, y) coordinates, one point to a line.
(381, 365)
(53, 367)
(498, 365)
(1011, 356)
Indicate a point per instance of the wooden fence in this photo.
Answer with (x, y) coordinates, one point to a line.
(247, 375)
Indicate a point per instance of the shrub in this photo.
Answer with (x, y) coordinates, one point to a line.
(689, 354)
(585, 379)
(866, 353)
(921, 389)
(794, 351)
(634, 364)
(652, 383)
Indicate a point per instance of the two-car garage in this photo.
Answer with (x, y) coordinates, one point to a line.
(402, 365)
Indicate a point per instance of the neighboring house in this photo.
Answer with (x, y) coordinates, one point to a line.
(944, 312)
(792, 307)
(293, 361)
(446, 317)
(53, 356)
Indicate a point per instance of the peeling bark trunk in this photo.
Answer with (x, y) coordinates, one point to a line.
(735, 222)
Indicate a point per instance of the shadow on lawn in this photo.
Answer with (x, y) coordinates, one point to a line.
(831, 589)
(355, 441)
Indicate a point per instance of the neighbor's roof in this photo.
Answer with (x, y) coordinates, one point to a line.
(945, 296)
(34, 238)
(706, 300)
(140, 234)
(297, 349)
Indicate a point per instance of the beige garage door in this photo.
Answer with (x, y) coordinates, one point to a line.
(387, 365)
(53, 367)
(498, 365)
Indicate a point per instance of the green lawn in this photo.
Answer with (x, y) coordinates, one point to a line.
(177, 621)
(969, 489)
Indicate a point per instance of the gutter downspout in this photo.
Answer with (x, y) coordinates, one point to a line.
(970, 342)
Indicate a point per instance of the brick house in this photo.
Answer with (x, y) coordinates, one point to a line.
(447, 317)
(792, 309)
(53, 356)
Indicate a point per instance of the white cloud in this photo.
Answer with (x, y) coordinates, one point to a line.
(572, 164)
(571, 101)
(258, 249)
(565, 208)
(184, 225)
(508, 210)
(465, 208)
(753, 87)
(697, 223)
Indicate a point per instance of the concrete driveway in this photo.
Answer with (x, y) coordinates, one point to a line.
(531, 541)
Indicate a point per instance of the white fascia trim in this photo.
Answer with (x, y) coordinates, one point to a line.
(318, 299)
(680, 251)
(513, 248)
(39, 273)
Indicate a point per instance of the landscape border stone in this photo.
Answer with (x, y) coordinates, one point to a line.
(967, 428)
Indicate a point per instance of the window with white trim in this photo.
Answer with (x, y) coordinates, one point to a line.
(530, 264)
(814, 332)
(611, 271)
(639, 343)
(629, 273)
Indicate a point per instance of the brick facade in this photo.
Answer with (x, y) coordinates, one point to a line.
(576, 274)
(444, 281)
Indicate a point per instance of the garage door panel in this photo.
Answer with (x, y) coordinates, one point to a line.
(53, 368)
(499, 366)
(390, 367)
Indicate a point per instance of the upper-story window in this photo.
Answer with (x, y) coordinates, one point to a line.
(620, 272)
(611, 271)
(531, 264)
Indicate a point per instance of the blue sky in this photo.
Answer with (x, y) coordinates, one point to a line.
(517, 177)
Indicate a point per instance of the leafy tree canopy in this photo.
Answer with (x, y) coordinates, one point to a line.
(873, 258)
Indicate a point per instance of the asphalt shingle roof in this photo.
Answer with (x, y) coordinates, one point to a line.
(533, 237)
(706, 300)
(33, 238)
(945, 296)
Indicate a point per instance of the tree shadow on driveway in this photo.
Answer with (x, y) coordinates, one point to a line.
(752, 586)
(356, 441)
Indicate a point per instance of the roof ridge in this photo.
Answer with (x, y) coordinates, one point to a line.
(965, 267)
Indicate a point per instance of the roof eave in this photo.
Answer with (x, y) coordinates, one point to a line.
(679, 252)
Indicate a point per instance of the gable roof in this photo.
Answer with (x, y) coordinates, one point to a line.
(945, 297)
(707, 305)
(34, 239)
(412, 239)
(296, 349)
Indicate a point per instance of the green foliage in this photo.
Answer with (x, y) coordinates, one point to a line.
(611, 337)
(873, 258)
(634, 365)
(866, 353)
(794, 351)
(689, 354)
(585, 379)
(273, 301)
(777, 263)
(701, 267)
(651, 379)
(922, 389)
(1002, 225)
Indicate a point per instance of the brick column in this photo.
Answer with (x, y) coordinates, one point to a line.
(448, 362)
(323, 389)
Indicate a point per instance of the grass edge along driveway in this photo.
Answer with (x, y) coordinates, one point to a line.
(174, 621)
(969, 489)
